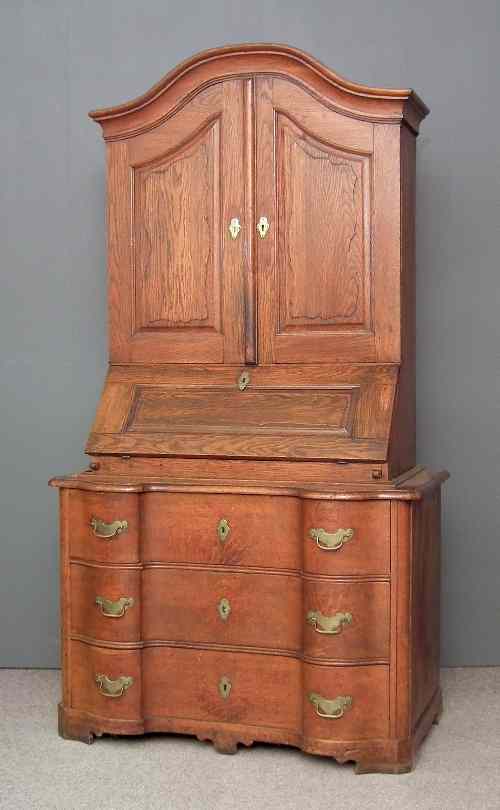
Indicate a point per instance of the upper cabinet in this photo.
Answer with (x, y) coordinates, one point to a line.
(254, 215)
(261, 264)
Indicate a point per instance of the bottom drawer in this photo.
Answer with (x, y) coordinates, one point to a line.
(104, 682)
(253, 689)
(346, 703)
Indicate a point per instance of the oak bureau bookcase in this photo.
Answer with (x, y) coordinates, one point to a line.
(252, 553)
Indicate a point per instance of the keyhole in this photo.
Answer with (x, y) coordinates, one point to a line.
(224, 687)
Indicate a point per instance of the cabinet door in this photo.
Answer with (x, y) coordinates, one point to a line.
(176, 274)
(327, 269)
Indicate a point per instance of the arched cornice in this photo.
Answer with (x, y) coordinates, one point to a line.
(360, 101)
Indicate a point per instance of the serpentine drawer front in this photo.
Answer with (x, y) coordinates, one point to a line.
(104, 526)
(240, 609)
(117, 694)
(259, 690)
(346, 538)
(346, 620)
(243, 530)
(105, 603)
(367, 713)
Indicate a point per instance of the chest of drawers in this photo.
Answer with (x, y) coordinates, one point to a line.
(289, 616)
(253, 553)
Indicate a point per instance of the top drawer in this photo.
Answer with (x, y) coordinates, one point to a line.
(246, 530)
(103, 526)
(344, 538)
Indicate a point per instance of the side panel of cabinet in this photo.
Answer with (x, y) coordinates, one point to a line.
(176, 275)
(328, 267)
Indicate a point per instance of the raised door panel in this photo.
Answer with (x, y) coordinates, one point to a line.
(323, 287)
(176, 275)
(323, 258)
(176, 234)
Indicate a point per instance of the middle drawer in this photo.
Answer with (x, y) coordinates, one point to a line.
(244, 609)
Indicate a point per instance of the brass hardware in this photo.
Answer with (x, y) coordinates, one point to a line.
(330, 709)
(244, 380)
(262, 227)
(328, 625)
(331, 542)
(225, 686)
(114, 609)
(223, 530)
(108, 530)
(224, 608)
(234, 227)
(114, 689)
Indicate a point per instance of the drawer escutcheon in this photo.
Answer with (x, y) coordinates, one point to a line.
(224, 608)
(328, 625)
(113, 689)
(223, 530)
(331, 541)
(114, 610)
(108, 530)
(330, 709)
(225, 687)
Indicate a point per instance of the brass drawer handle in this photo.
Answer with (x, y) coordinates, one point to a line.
(331, 541)
(328, 625)
(113, 689)
(108, 530)
(114, 609)
(330, 709)
(223, 530)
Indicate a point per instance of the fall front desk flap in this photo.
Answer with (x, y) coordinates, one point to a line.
(293, 412)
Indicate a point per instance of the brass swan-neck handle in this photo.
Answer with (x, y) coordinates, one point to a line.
(113, 688)
(331, 541)
(328, 625)
(114, 610)
(108, 530)
(330, 709)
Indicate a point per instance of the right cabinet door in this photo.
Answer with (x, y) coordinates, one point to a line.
(328, 266)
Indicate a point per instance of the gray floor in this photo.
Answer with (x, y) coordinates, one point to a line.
(458, 767)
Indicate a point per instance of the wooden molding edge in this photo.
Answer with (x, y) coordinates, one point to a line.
(394, 104)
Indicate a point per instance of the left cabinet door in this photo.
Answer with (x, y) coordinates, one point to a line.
(176, 274)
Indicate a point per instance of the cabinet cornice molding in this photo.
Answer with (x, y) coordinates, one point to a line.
(377, 104)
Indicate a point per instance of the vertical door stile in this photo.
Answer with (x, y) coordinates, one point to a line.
(249, 232)
(265, 181)
(233, 155)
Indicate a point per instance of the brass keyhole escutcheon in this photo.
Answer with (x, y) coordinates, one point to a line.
(263, 227)
(244, 380)
(234, 227)
(223, 530)
(224, 608)
(225, 686)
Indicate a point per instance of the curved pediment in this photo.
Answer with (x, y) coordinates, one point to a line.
(356, 100)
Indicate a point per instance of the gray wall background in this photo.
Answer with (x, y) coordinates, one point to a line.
(59, 59)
